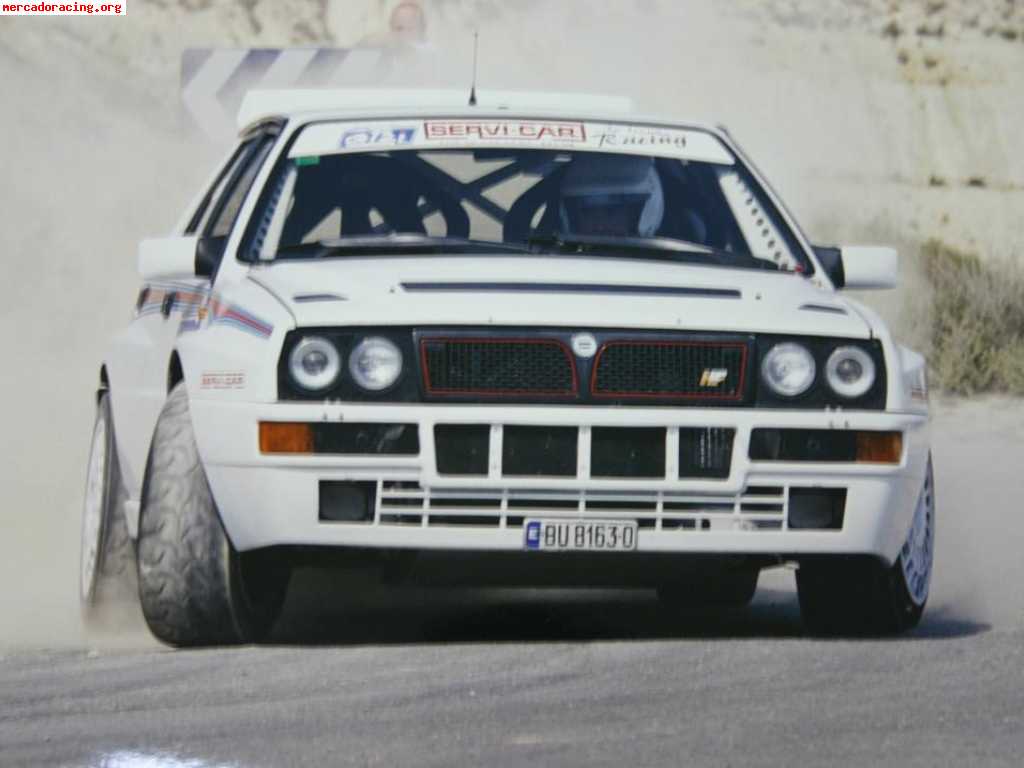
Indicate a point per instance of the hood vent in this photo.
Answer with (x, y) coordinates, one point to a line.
(588, 288)
(829, 309)
(312, 298)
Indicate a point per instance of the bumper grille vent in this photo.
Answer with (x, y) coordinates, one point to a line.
(629, 453)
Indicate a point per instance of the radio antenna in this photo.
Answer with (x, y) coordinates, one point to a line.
(476, 48)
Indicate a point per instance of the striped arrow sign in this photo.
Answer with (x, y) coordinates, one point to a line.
(215, 80)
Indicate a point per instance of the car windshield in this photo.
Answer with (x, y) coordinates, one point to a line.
(505, 186)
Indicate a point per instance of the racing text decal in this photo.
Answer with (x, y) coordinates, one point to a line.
(322, 139)
(495, 130)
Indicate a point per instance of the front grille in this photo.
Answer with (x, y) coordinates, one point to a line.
(671, 369)
(756, 509)
(497, 367)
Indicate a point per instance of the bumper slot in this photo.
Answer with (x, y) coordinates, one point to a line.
(705, 452)
(539, 451)
(462, 449)
(628, 452)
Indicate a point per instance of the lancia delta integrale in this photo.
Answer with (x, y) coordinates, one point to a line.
(591, 343)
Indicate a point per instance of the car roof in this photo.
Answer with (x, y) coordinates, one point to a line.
(306, 105)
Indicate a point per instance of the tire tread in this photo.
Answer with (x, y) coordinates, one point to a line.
(185, 557)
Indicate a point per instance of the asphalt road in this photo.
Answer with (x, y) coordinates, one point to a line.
(403, 677)
(493, 679)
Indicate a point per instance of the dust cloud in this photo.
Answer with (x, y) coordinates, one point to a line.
(94, 157)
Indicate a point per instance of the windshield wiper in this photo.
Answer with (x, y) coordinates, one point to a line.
(667, 248)
(403, 243)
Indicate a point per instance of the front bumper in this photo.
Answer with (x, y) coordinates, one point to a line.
(269, 500)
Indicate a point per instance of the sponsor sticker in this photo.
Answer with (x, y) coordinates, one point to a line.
(661, 142)
(633, 137)
(221, 380)
(377, 136)
(505, 130)
(322, 139)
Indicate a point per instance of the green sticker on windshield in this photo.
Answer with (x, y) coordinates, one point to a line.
(307, 160)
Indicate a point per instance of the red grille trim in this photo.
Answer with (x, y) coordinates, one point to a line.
(561, 345)
(740, 388)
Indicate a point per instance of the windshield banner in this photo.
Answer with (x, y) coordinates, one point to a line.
(472, 133)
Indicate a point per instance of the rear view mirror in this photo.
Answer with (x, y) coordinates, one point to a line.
(165, 257)
(871, 266)
(860, 266)
(209, 252)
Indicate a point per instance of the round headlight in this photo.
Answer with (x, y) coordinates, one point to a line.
(850, 372)
(375, 364)
(314, 364)
(788, 369)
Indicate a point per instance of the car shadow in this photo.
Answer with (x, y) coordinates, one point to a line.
(324, 610)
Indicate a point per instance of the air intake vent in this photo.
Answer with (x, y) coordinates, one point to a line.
(497, 367)
(671, 369)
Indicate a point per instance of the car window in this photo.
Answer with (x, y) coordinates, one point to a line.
(202, 213)
(547, 186)
(237, 184)
(517, 196)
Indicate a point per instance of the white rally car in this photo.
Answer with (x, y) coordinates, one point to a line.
(548, 331)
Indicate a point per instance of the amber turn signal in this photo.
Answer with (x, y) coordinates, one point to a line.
(879, 447)
(285, 437)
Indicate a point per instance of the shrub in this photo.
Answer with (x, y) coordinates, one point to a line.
(975, 321)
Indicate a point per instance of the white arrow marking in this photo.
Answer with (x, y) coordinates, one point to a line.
(200, 95)
(287, 68)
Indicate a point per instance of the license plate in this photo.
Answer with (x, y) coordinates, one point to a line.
(580, 535)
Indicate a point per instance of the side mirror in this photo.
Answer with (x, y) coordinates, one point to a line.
(164, 257)
(860, 266)
(209, 252)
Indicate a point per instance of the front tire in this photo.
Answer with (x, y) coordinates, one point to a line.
(107, 564)
(195, 588)
(863, 596)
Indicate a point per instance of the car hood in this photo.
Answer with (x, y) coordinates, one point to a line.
(560, 292)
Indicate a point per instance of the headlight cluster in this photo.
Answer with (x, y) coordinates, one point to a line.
(375, 363)
(850, 372)
(315, 364)
(789, 369)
